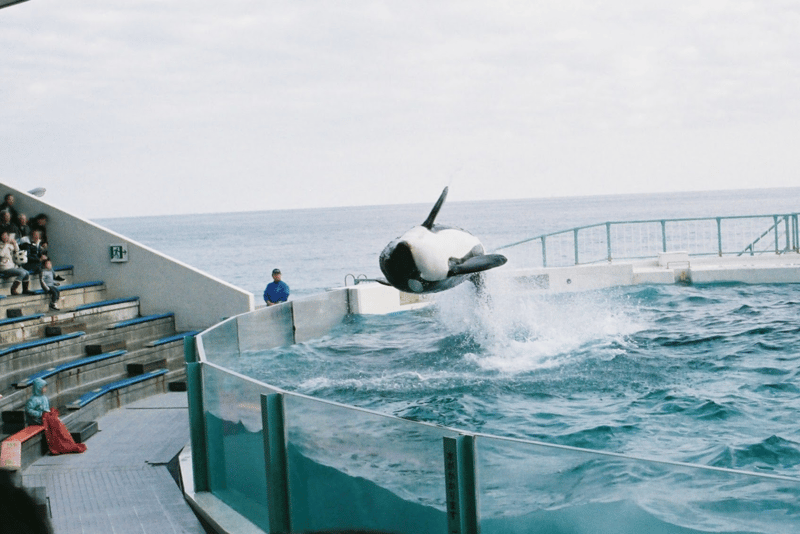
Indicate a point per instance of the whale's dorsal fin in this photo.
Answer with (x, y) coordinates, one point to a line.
(435, 211)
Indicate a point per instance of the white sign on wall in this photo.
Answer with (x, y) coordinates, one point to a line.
(118, 253)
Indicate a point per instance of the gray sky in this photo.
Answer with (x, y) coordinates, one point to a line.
(153, 107)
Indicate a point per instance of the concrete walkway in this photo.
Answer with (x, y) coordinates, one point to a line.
(121, 483)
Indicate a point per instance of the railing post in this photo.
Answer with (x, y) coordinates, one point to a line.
(719, 236)
(197, 423)
(786, 225)
(663, 235)
(575, 242)
(777, 241)
(544, 252)
(461, 485)
(608, 240)
(795, 232)
(274, 433)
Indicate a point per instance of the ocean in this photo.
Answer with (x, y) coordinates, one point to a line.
(317, 248)
(700, 374)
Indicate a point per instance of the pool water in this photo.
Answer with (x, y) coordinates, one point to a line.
(699, 374)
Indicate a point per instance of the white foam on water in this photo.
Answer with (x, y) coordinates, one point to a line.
(520, 330)
(402, 380)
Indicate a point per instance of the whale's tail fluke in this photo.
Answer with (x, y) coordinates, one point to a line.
(435, 211)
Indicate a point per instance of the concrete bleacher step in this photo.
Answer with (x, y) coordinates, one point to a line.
(97, 353)
(65, 271)
(72, 295)
(53, 350)
(97, 393)
(32, 323)
(73, 377)
(83, 430)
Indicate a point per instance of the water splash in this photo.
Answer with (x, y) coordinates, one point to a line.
(518, 330)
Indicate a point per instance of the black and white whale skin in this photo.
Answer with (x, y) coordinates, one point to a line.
(432, 257)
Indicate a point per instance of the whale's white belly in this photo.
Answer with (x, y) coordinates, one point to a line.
(432, 250)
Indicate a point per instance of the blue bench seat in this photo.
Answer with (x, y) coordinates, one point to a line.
(69, 365)
(21, 319)
(86, 398)
(140, 320)
(101, 303)
(79, 285)
(40, 342)
(171, 339)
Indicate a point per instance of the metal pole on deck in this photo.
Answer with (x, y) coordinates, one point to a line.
(197, 422)
(461, 485)
(277, 463)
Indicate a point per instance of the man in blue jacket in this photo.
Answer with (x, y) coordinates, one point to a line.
(276, 290)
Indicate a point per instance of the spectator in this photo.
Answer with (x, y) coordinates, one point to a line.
(7, 225)
(24, 229)
(8, 205)
(276, 291)
(38, 403)
(8, 266)
(47, 279)
(37, 252)
(40, 223)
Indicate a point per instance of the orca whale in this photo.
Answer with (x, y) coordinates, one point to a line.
(432, 257)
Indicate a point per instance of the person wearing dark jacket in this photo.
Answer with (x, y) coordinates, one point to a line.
(7, 225)
(8, 205)
(40, 223)
(37, 252)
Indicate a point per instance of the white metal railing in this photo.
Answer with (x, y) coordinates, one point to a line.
(626, 240)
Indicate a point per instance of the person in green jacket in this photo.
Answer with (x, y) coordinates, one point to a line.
(38, 403)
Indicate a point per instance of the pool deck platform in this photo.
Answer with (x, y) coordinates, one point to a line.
(121, 484)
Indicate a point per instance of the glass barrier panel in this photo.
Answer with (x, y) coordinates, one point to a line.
(532, 488)
(236, 466)
(316, 316)
(221, 343)
(266, 328)
(351, 469)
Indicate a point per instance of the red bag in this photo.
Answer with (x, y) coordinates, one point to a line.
(58, 437)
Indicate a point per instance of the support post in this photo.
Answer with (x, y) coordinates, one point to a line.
(608, 240)
(719, 236)
(777, 240)
(786, 226)
(575, 242)
(274, 432)
(190, 350)
(197, 424)
(544, 252)
(663, 236)
(461, 485)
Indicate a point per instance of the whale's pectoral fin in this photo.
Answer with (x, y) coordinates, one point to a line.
(477, 264)
(435, 211)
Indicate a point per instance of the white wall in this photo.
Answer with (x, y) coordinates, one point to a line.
(161, 283)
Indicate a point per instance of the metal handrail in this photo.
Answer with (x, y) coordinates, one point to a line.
(627, 240)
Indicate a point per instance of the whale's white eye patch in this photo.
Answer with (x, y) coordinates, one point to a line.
(415, 286)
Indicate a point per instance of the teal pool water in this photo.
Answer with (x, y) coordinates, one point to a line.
(705, 375)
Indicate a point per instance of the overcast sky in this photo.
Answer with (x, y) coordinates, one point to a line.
(125, 108)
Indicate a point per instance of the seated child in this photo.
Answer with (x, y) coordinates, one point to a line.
(47, 279)
(38, 403)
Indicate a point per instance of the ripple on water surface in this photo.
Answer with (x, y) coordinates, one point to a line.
(688, 373)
